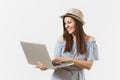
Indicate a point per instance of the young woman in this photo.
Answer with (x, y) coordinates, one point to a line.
(73, 46)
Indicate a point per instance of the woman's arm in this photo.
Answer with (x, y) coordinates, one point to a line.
(82, 63)
(79, 63)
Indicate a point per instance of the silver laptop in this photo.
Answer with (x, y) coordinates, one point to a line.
(38, 52)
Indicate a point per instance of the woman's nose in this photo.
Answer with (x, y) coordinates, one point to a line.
(66, 26)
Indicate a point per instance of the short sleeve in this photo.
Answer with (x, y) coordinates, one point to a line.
(92, 51)
(58, 49)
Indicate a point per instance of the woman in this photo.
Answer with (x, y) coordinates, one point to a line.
(73, 46)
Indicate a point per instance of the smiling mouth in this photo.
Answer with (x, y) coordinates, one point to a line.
(69, 29)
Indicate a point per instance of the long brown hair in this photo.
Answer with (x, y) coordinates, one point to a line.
(80, 38)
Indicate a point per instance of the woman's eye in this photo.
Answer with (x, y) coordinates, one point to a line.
(69, 22)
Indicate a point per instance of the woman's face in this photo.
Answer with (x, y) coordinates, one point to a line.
(70, 25)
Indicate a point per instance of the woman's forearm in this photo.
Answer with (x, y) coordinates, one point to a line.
(79, 63)
(82, 63)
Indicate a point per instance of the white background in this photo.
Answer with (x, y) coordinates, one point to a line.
(38, 21)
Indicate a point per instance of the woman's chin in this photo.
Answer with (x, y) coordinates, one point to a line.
(70, 32)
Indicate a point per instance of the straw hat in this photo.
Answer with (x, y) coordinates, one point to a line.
(75, 13)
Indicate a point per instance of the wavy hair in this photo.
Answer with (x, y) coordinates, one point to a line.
(80, 38)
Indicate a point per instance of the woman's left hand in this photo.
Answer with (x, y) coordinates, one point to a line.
(62, 59)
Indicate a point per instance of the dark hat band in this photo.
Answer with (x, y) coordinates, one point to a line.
(74, 16)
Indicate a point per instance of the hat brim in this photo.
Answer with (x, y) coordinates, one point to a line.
(79, 19)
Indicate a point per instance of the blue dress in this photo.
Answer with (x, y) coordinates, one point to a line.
(73, 72)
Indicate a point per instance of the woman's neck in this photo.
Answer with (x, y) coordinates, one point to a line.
(74, 38)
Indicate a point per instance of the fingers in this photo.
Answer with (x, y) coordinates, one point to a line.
(40, 66)
(62, 59)
(57, 60)
(44, 68)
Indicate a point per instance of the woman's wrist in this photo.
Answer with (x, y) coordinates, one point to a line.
(72, 60)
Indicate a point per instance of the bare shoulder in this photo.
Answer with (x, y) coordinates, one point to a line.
(90, 38)
(61, 38)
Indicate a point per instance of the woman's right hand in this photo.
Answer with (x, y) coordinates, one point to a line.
(41, 66)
